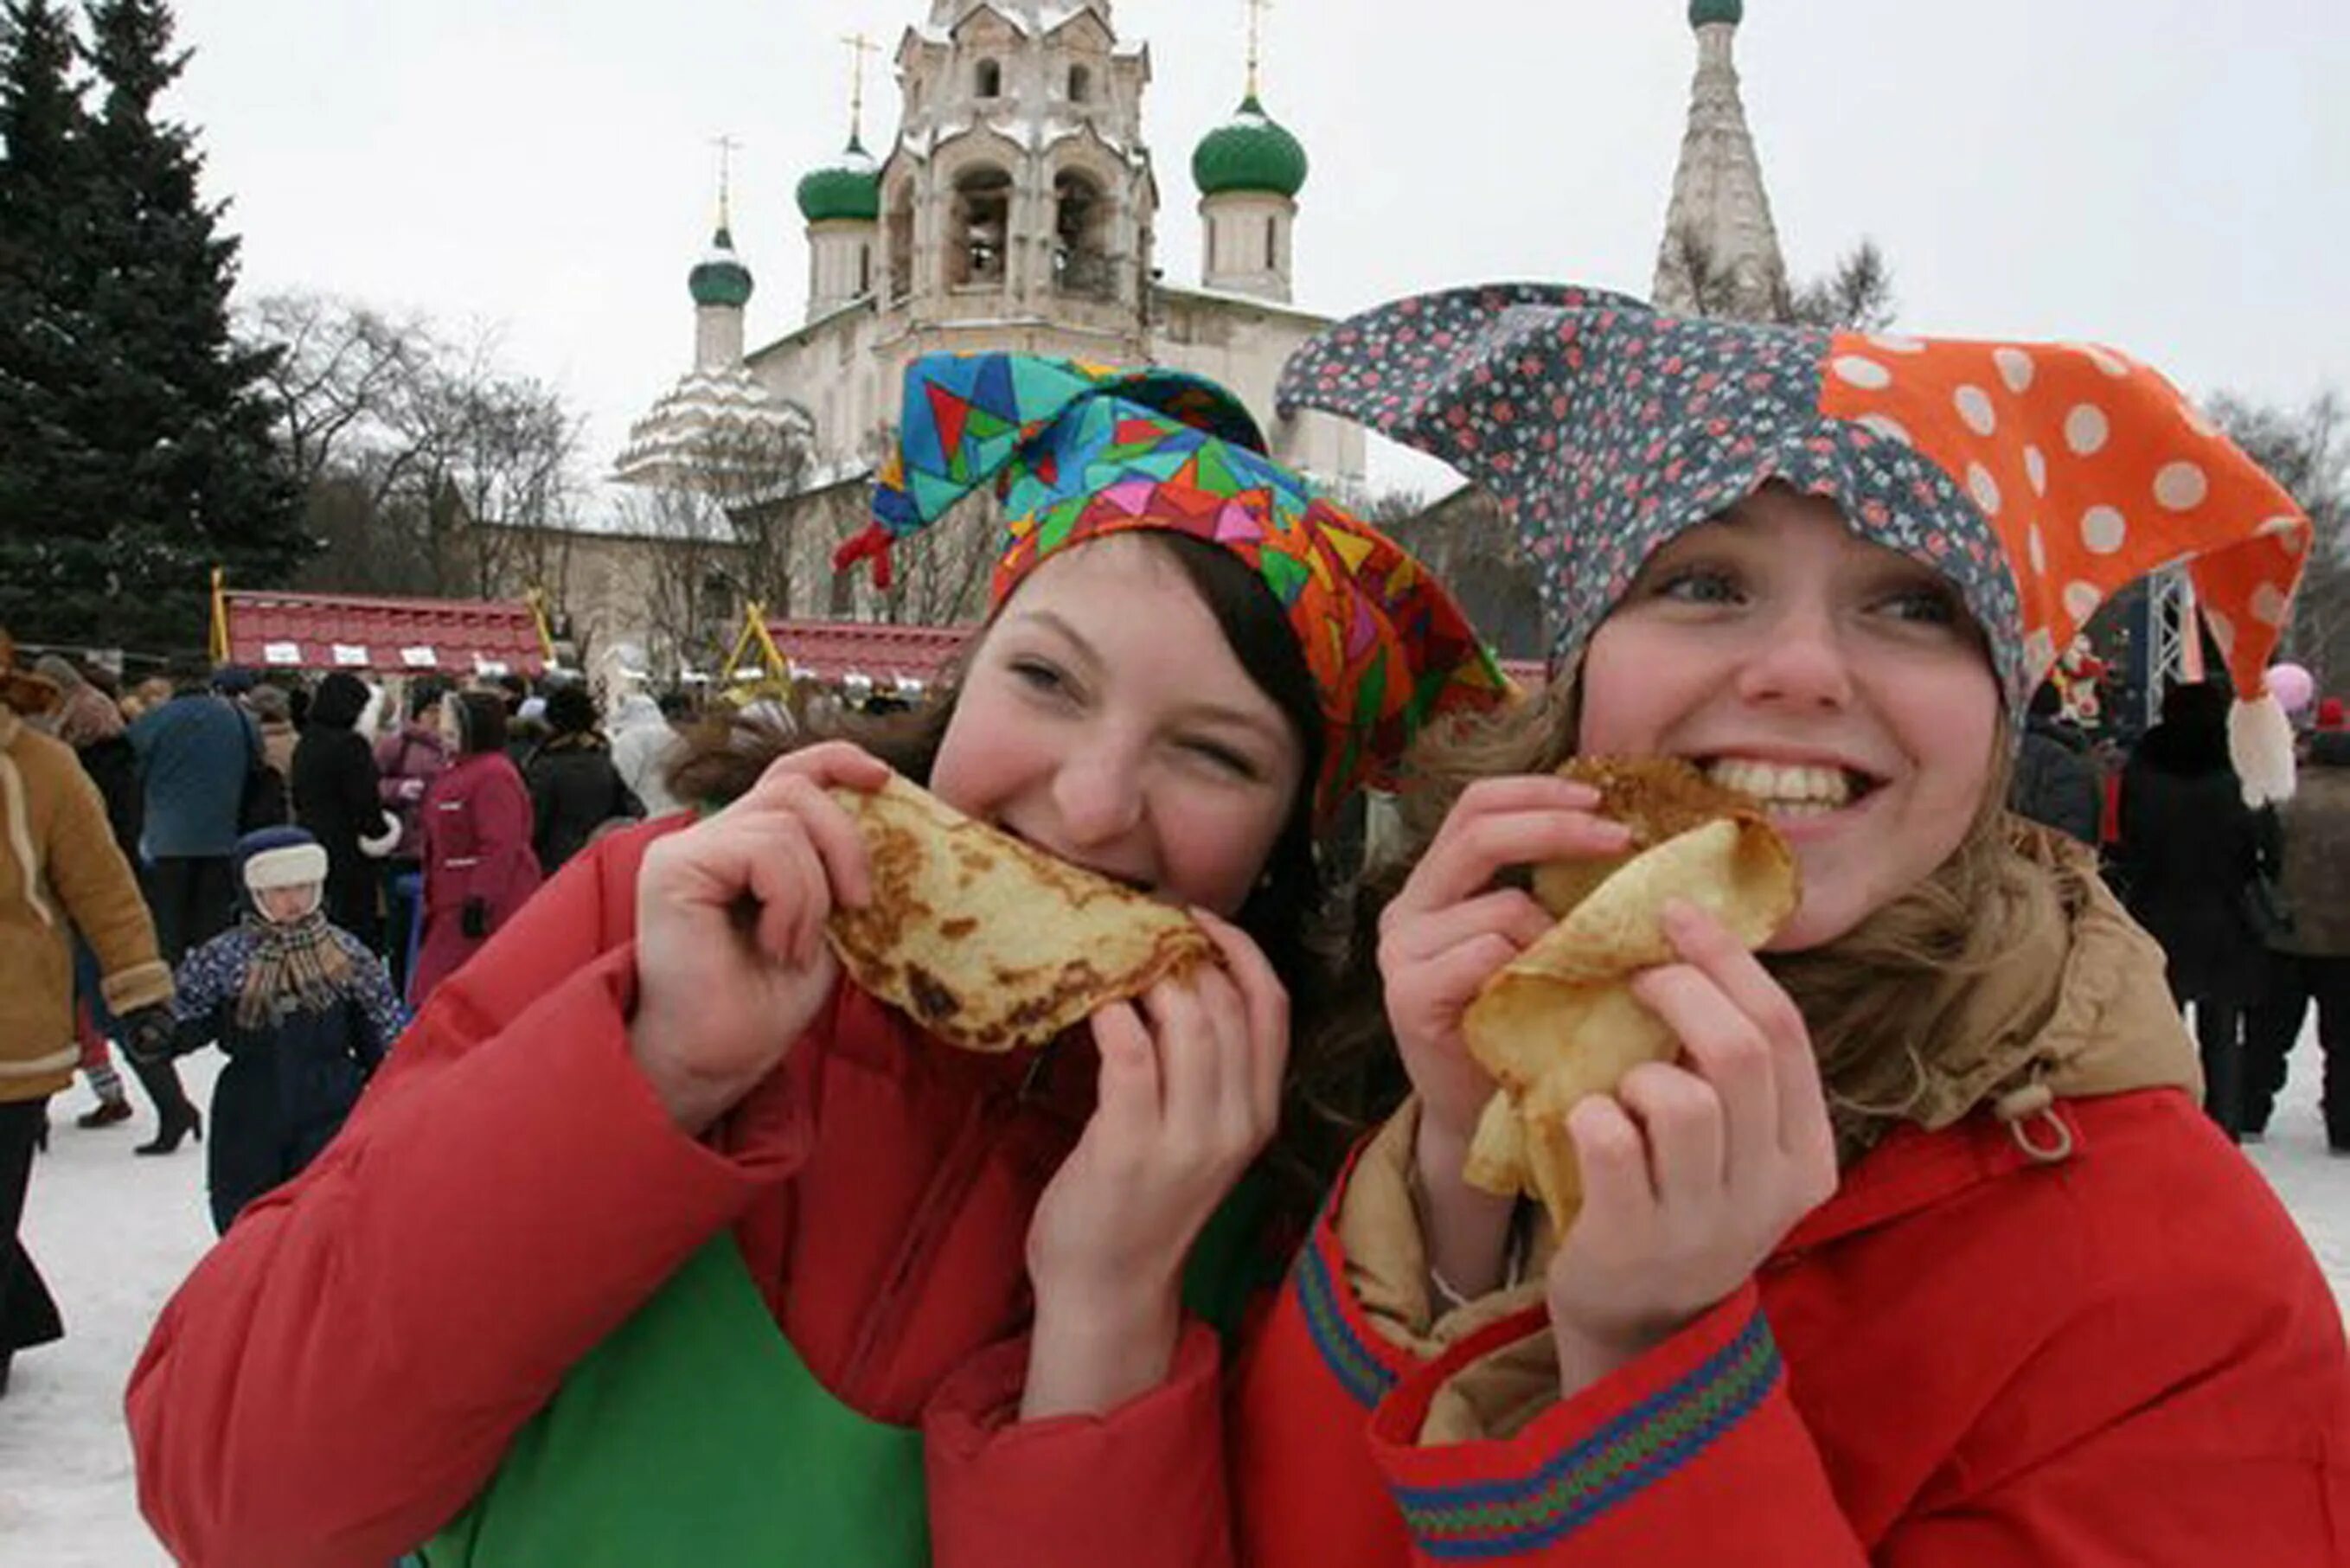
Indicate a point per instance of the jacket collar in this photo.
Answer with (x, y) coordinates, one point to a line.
(2114, 1031)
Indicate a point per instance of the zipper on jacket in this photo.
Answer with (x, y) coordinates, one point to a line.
(942, 1199)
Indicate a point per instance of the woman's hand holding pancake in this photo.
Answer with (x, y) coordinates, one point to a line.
(1190, 1095)
(1691, 1174)
(731, 963)
(1440, 938)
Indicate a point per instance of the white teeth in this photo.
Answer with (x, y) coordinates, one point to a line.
(1788, 790)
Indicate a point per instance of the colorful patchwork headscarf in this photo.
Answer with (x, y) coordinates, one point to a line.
(2038, 478)
(1078, 451)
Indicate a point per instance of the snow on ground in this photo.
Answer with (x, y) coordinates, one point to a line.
(114, 1235)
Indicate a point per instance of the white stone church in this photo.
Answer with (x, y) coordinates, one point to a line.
(1016, 207)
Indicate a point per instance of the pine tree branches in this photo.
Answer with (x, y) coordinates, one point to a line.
(135, 443)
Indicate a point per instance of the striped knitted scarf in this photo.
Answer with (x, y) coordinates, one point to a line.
(296, 966)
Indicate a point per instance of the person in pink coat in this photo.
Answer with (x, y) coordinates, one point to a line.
(478, 865)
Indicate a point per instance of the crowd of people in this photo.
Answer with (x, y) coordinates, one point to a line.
(425, 835)
(181, 824)
(2246, 901)
(672, 1243)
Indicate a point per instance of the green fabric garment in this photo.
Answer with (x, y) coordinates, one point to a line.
(734, 1452)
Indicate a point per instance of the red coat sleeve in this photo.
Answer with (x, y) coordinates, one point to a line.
(2186, 1411)
(1073, 1490)
(1667, 1461)
(342, 1372)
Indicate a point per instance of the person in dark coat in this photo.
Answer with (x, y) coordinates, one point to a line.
(2056, 782)
(2310, 959)
(2190, 851)
(89, 722)
(195, 751)
(334, 797)
(271, 804)
(304, 1011)
(574, 787)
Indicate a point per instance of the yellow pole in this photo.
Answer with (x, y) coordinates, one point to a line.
(778, 667)
(535, 598)
(751, 628)
(219, 639)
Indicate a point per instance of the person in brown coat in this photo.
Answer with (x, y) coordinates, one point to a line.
(60, 871)
(2310, 959)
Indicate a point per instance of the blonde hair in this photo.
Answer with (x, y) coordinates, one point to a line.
(1895, 1006)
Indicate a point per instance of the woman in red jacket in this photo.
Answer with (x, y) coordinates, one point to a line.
(1920, 1255)
(656, 1243)
(479, 867)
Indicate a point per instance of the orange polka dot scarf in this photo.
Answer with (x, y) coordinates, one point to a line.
(1078, 451)
(2038, 478)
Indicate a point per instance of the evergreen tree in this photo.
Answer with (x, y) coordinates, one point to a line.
(153, 454)
(45, 269)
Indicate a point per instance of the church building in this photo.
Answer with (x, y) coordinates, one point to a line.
(1016, 207)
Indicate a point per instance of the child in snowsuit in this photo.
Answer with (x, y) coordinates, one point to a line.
(304, 1011)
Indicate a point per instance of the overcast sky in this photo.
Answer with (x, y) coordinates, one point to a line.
(2171, 176)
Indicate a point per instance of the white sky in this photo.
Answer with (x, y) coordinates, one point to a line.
(2171, 176)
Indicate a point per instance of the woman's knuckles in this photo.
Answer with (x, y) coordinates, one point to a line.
(1740, 1057)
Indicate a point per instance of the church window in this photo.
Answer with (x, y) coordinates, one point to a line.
(1081, 84)
(988, 80)
(1273, 244)
(1081, 214)
(865, 269)
(983, 214)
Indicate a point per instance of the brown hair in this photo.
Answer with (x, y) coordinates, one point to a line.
(1880, 1000)
(1286, 914)
(481, 722)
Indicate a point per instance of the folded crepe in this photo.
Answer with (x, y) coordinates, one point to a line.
(990, 943)
(1559, 1023)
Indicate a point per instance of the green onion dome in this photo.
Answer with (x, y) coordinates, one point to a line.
(719, 278)
(1704, 11)
(1248, 152)
(848, 187)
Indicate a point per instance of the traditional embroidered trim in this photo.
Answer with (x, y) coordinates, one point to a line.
(1629, 1454)
(1358, 1367)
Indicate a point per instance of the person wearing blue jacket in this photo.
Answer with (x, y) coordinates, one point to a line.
(304, 1011)
(195, 752)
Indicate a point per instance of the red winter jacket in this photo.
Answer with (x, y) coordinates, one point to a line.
(1965, 1359)
(342, 1373)
(477, 835)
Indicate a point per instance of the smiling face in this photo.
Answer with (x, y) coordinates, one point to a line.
(1104, 718)
(1840, 683)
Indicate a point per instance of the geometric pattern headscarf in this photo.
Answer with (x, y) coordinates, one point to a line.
(1078, 451)
(2038, 478)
